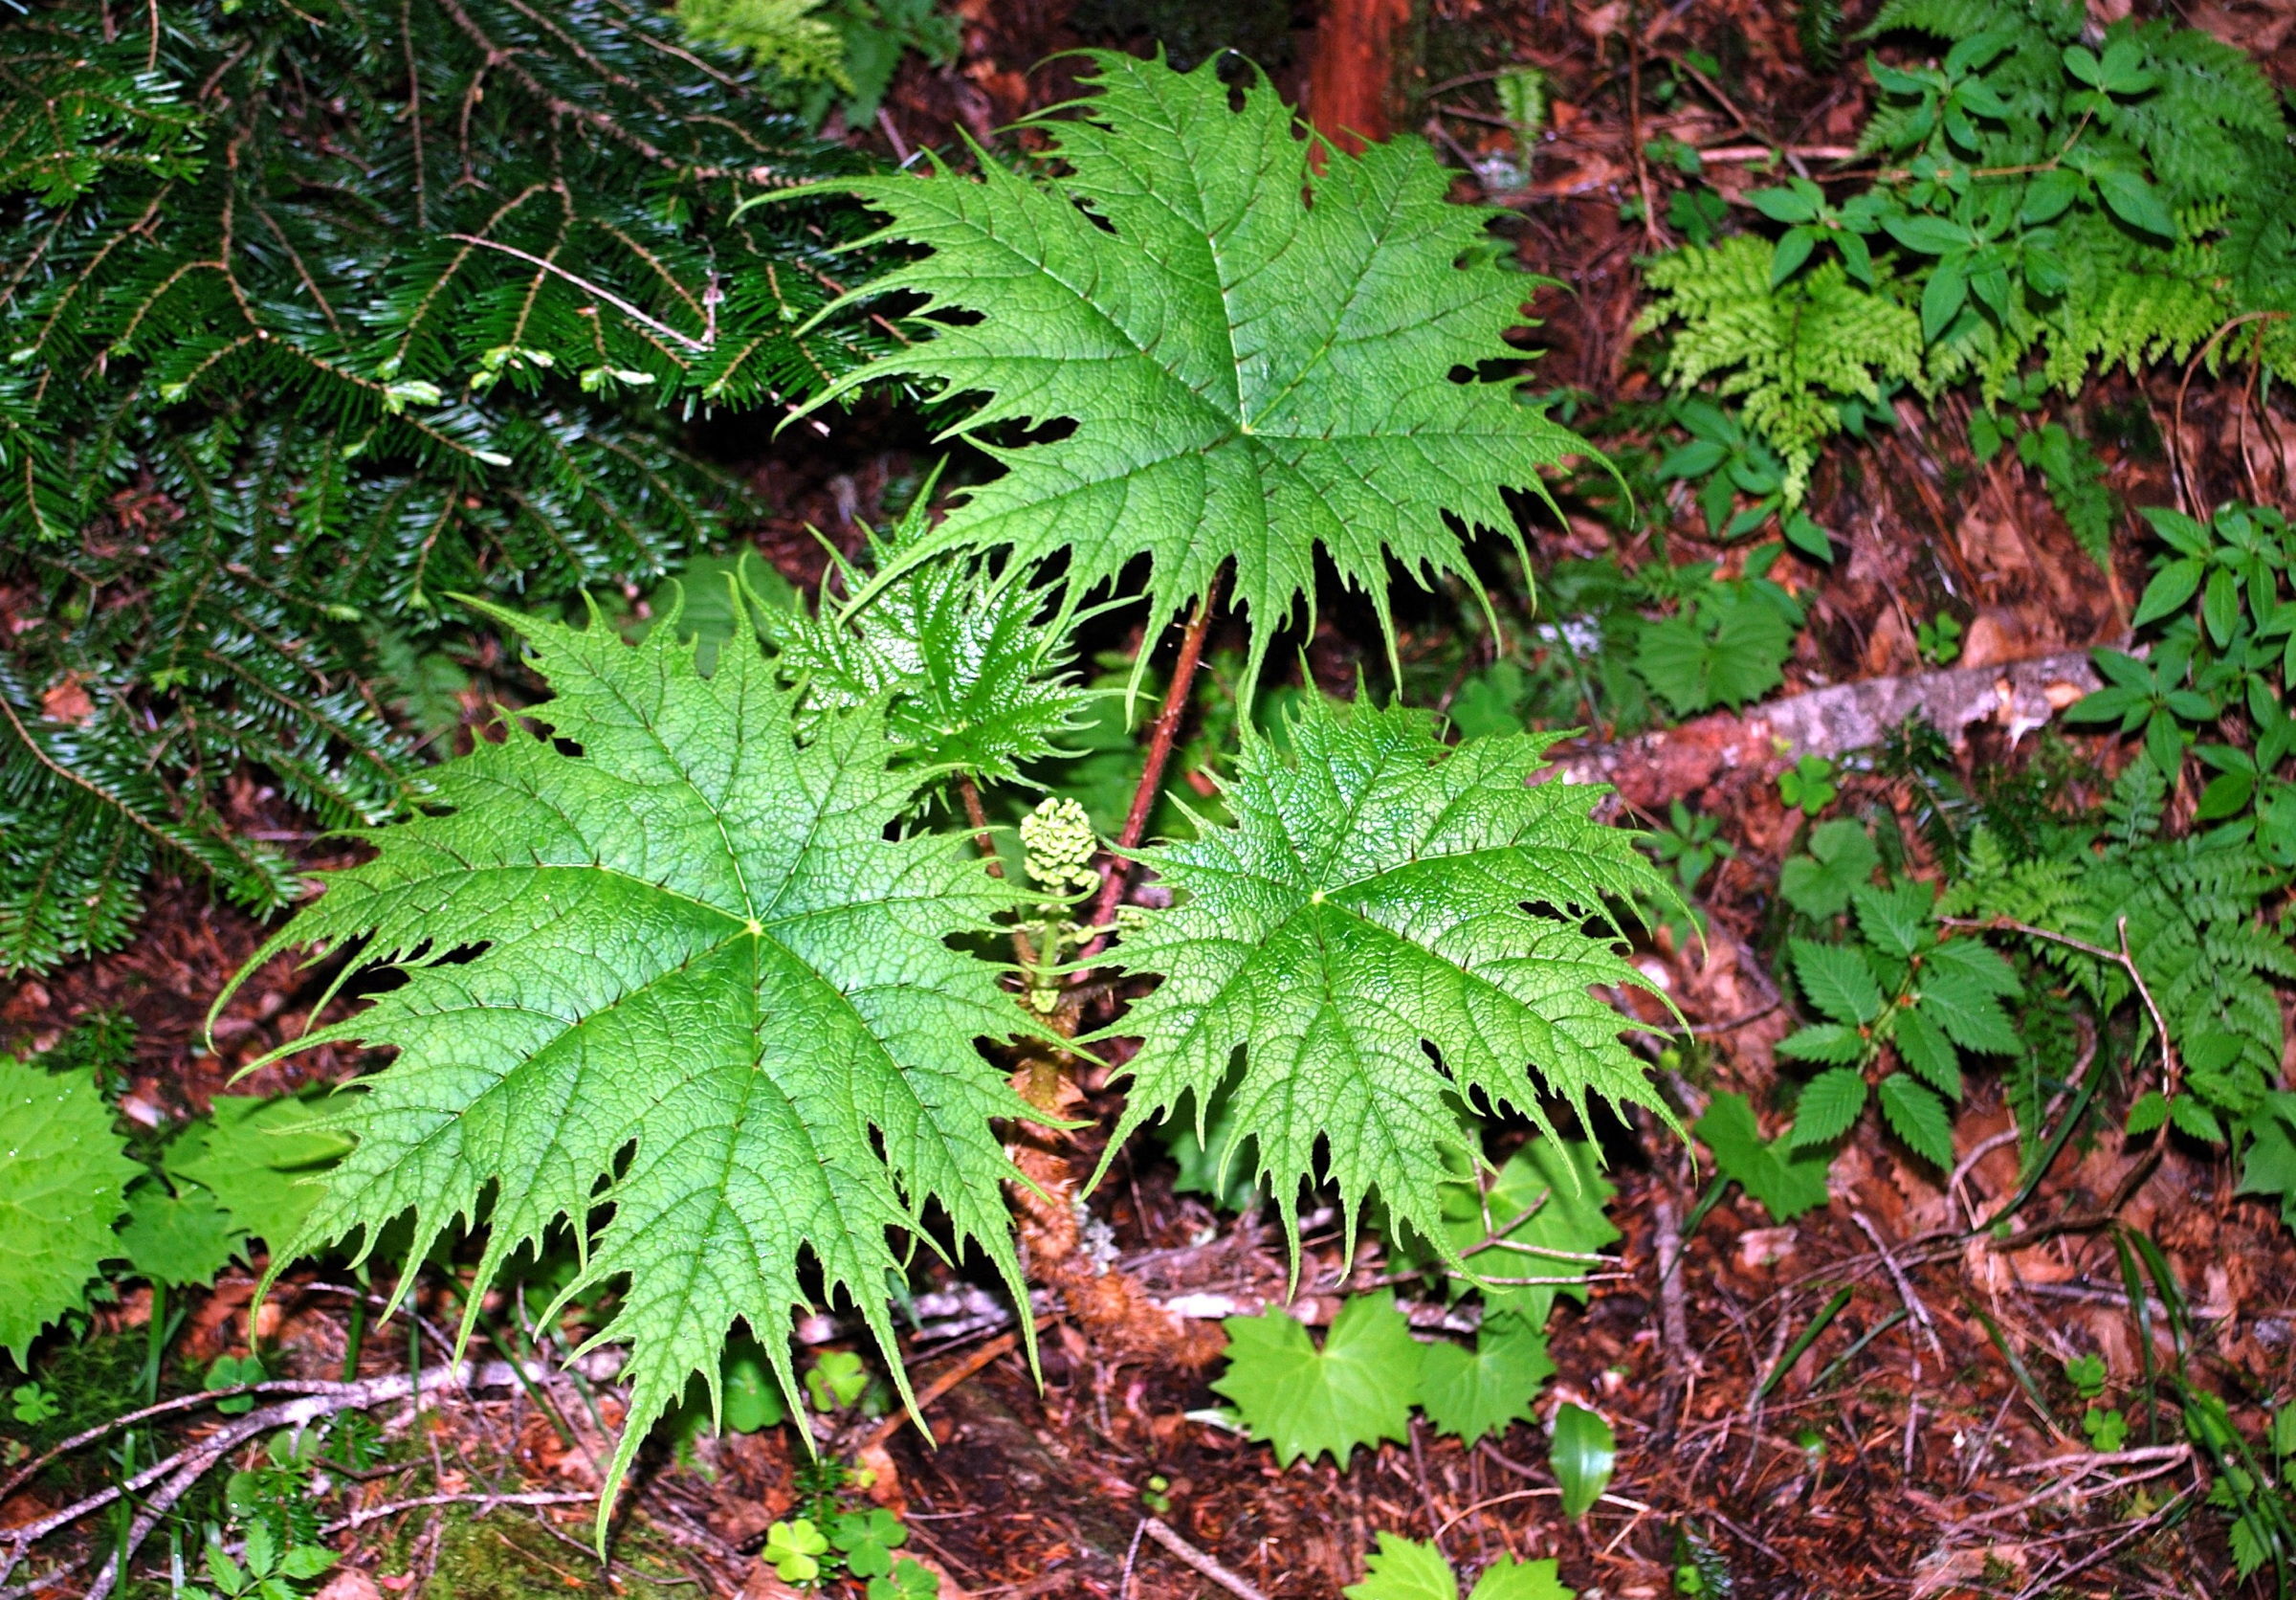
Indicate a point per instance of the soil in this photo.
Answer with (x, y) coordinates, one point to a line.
(1896, 1462)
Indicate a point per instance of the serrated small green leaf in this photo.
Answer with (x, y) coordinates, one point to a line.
(1928, 1052)
(1836, 980)
(2194, 1120)
(1251, 376)
(1468, 1395)
(1368, 902)
(179, 1240)
(1841, 856)
(1404, 1570)
(1358, 1389)
(1828, 1104)
(1919, 1117)
(1784, 1181)
(264, 1159)
(1894, 921)
(1832, 1044)
(2150, 1110)
(1509, 1579)
(62, 1174)
(1961, 985)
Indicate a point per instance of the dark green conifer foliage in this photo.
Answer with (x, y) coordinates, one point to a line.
(281, 364)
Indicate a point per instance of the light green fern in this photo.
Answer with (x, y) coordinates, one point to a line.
(1792, 352)
(1250, 376)
(786, 35)
(710, 992)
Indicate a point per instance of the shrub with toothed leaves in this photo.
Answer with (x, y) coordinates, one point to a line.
(688, 970)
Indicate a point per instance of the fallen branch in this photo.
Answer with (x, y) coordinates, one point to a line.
(177, 1473)
(1656, 768)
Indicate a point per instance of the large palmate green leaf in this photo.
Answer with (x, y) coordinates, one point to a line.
(1258, 358)
(709, 992)
(62, 1177)
(1380, 893)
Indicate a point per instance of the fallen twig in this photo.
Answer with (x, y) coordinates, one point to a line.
(376, 1512)
(1002, 1345)
(2093, 1460)
(1234, 1583)
(1674, 1316)
(1905, 1285)
(175, 1475)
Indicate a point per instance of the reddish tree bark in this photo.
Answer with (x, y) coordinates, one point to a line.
(1351, 83)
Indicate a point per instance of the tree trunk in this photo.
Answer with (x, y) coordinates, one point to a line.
(1356, 85)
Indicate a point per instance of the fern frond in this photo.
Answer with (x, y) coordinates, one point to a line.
(1791, 351)
(385, 352)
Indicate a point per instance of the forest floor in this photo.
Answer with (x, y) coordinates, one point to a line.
(1911, 1460)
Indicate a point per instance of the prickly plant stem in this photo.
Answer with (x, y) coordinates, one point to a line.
(1160, 736)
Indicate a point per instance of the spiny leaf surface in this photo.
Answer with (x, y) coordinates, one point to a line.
(1380, 893)
(977, 681)
(709, 992)
(1258, 359)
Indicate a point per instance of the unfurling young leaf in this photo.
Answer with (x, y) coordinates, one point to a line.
(976, 681)
(1370, 901)
(1251, 376)
(705, 979)
(1357, 1390)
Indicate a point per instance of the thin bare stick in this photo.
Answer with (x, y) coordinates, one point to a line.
(2093, 1460)
(1161, 735)
(1234, 1583)
(1634, 127)
(486, 1503)
(1002, 1345)
(1672, 1315)
(1905, 1286)
(2187, 496)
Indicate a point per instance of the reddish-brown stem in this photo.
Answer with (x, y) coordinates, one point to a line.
(1160, 736)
